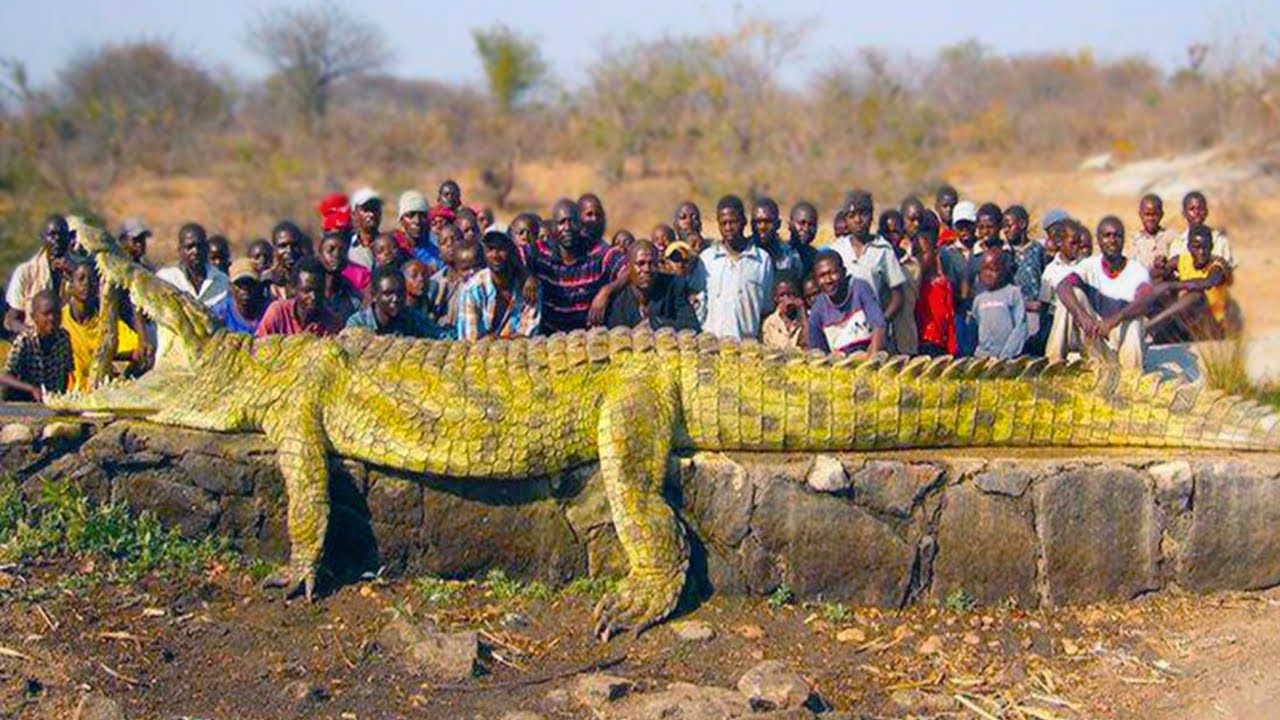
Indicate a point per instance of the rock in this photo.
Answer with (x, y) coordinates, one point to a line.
(682, 701)
(1091, 554)
(1004, 481)
(515, 621)
(597, 690)
(190, 509)
(986, 547)
(929, 645)
(719, 498)
(62, 431)
(918, 702)
(692, 630)
(302, 693)
(751, 632)
(449, 656)
(1101, 161)
(771, 686)
(894, 487)
(1233, 542)
(98, 707)
(805, 536)
(522, 715)
(16, 433)
(851, 635)
(1173, 485)
(828, 475)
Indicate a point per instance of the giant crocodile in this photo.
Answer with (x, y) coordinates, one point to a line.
(515, 409)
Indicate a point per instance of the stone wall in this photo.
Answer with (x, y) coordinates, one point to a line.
(882, 529)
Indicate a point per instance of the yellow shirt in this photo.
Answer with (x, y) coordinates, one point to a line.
(1215, 296)
(85, 338)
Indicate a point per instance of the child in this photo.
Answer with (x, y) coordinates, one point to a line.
(417, 287)
(82, 321)
(387, 252)
(260, 253)
(40, 359)
(1000, 311)
(463, 259)
(935, 307)
(220, 252)
(811, 290)
(1201, 309)
(955, 259)
(663, 236)
(787, 325)
(622, 239)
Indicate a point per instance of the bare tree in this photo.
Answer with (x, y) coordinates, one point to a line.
(313, 47)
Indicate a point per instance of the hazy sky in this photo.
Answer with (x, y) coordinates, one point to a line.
(432, 39)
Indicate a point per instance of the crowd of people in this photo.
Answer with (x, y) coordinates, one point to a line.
(957, 278)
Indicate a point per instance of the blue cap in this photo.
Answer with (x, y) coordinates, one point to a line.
(1053, 217)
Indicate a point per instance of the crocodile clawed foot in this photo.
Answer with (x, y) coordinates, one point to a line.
(641, 601)
(293, 581)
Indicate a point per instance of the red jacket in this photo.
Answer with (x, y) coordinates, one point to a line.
(936, 313)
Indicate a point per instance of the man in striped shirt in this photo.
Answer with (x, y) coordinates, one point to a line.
(572, 269)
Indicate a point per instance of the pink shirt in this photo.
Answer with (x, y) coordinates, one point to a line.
(279, 319)
(359, 277)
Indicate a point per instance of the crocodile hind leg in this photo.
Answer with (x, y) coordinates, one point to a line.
(635, 428)
(299, 435)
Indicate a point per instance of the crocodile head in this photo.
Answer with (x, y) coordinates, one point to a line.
(181, 315)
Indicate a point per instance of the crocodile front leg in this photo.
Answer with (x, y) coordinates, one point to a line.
(302, 446)
(636, 423)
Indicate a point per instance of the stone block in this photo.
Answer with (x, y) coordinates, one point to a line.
(894, 488)
(192, 510)
(986, 547)
(1099, 533)
(1234, 540)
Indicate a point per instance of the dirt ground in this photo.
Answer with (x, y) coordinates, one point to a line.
(213, 646)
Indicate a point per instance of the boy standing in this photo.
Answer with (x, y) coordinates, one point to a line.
(83, 323)
(999, 309)
(734, 279)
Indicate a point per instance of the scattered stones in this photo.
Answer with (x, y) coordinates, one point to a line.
(515, 621)
(98, 707)
(828, 475)
(303, 693)
(451, 656)
(771, 686)
(693, 630)
(751, 632)
(522, 715)
(15, 434)
(851, 635)
(598, 690)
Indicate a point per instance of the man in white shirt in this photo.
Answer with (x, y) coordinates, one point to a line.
(1103, 298)
(43, 271)
(192, 275)
(734, 280)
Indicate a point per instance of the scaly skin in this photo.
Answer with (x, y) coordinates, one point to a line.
(521, 408)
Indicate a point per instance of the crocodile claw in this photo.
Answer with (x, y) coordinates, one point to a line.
(640, 602)
(293, 581)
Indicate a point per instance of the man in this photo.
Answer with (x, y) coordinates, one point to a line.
(688, 223)
(306, 311)
(765, 227)
(46, 270)
(494, 302)
(1103, 298)
(366, 205)
(870, 257)
(387, 315)
(734, 280)
(912, 209)
(286, 249)
(449, 195)
(1029, 259)
(1060, 256)
(83, 323)
(134, 235)
(1150, 245)
(193, 274)
(1195, 210)
(650, 299)
(412, 236)
(803, 225)
(572, 269)
(846, 317)
(1201, 310)
(594, 222)
(944, 204)
(241, 310)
